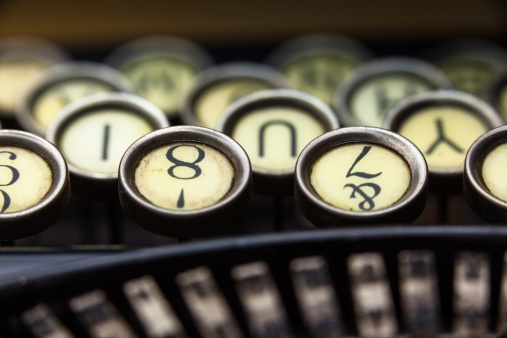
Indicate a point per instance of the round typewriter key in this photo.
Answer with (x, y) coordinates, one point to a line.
(361, 175)
(161, 68)
(94, 132)
(274, 126)
(62, 84)
(34, 184)
(21, 60)
(217, 87)
(366, 96)
(485, 185)
(497, 92)
(317, 63)
(469, 64)
(185, 181)
(443, 124)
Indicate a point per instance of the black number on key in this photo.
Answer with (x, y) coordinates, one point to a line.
(367, 203)
(106, 142)
(179, 163)
(15, 177)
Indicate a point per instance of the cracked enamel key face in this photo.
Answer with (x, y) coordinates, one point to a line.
(184, 176)
(185, 181)
(22, 59)
(62, 85)
(360, 175)
(374, 88)
(34, 184)
(161, 68)
(443, 125)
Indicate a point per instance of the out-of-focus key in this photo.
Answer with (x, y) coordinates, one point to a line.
(185, 181)
(22, 59)
(274, 126)
(470, 64)
(215, 88)
(34, 184)
(317, 63)
(94, 132)
(152, 308)
(207, 304)
(59, 86)
(373, 304)
(99, 316)
(471, 294)
(361, 175)
(420, 300)
(316, 296)
(443, 124)
(367, 95)
(261, 301)
(43, 323)
(161, 68)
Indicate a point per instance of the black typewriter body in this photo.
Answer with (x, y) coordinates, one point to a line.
(95, 247)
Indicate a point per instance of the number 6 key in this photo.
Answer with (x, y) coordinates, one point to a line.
(34, 184)
(185, 181)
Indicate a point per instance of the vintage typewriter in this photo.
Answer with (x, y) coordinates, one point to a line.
(262, 251)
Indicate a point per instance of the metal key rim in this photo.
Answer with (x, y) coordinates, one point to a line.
(100, 183)
(228, 72)
(442, 98)
(56, 199)
(151, 216)
(477, 194)
(388, 66)
(61, 73)
(269, 179)
(406, 209)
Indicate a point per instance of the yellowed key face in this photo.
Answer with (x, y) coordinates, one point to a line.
(470, 76)
(319, 74)
(360, 177)
(212, 103)
(162, 80)
(53, 99)
(184, 176)
(15, 76)
(443, 134)
(493, 171)
(25, 178)
(96, 141)
(372, 99)
(274, 137)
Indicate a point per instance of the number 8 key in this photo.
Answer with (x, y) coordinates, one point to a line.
(185, 181)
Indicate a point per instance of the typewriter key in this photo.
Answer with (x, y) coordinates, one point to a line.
(497, 92)
(21, 60)
(317, 63)
(274, 126)
(43, 323)
(161, 68)
(470, 64)
(361, 175)
(215, 88)
(367, 95)
(443, 124)
(484, 182)
(94, 132)
(62, 84)
(185, 181)
(34, 184)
